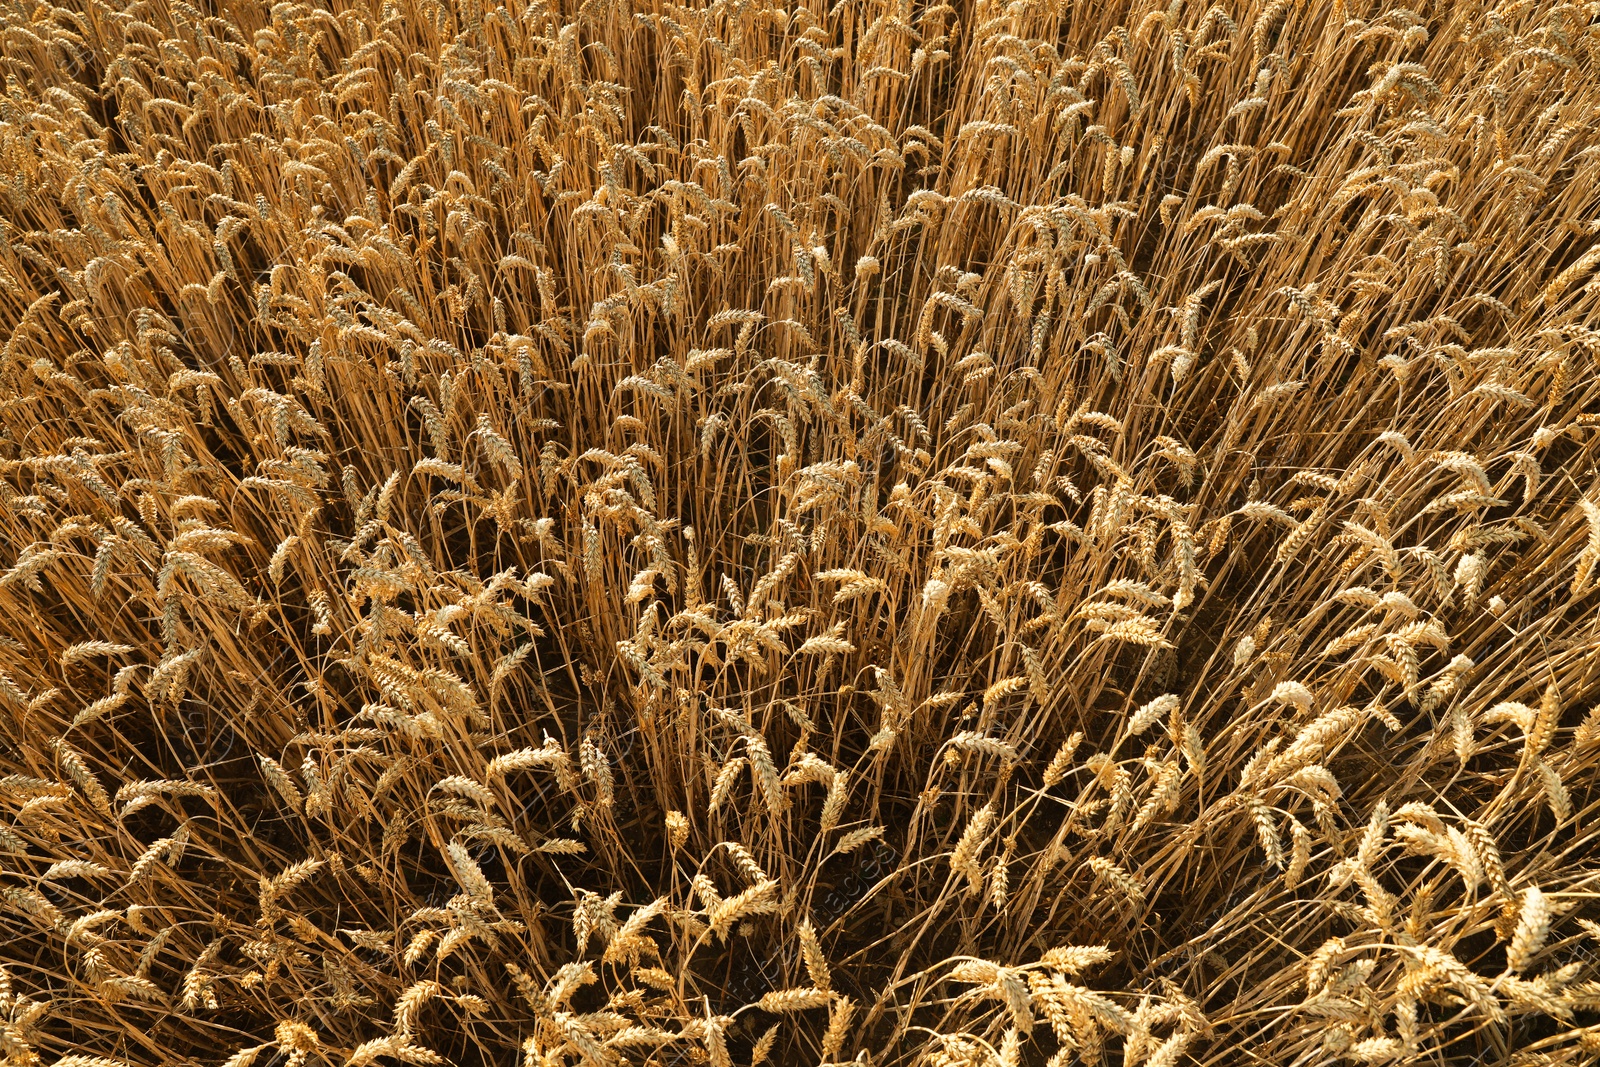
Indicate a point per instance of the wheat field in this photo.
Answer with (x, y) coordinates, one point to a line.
(553, 534)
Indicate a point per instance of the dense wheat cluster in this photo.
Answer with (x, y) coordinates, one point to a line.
(905, 533)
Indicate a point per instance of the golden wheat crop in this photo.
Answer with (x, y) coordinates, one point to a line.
(885, 532)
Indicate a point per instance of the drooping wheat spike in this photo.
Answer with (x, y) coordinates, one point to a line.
(766, 773)
(853, 840)
(811, 951)
(677, 828)
(1533, 925)
(468, 873)
(759, 899)
(841, 1012)
(793, 1000)
(763, 1047)
(1056, 769)
(964, 859)
(724, 781)
(1117, 877)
